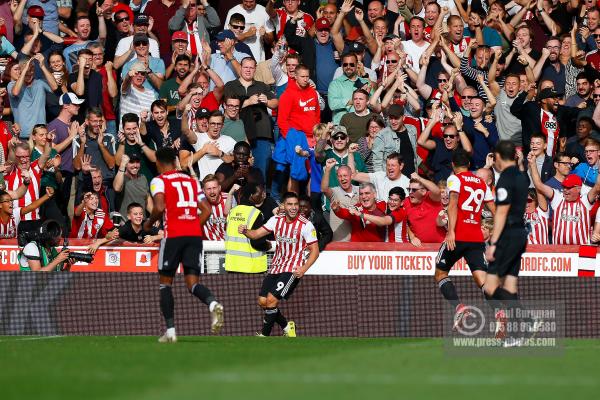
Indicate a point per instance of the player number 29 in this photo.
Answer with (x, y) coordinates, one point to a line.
(474, 201)
(185, 199)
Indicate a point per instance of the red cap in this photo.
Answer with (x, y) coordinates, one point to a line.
(322, 23)
(572, 181)
(36, 12)
(118, 7)
(179, 35)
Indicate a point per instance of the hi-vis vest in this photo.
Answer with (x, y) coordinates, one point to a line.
(240, 256)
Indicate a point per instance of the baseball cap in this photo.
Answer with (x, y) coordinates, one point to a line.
(339, 130)
(226, 34)
(139, 67)
(140, 38)
(202, 113)
(134, 157)
(141, 19)
(322, 24)
(179, 35)
(355, 47)
(36, 12)
(69, 98)
(395, 110)
(572, 181)
(548, 93)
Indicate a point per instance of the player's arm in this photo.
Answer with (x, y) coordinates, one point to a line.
(253, 234)
(452, 216)
(205, 211)
(157, 211)
(313, 249)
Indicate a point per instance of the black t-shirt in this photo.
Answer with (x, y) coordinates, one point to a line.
(407, 152)
(155, 135)
(441, 160)
(254, 174)
(512, 189)
(127, 233)
(92, 93)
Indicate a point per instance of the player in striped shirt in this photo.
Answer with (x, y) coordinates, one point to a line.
(536, 217)
(571, 218)
(295, 235)
(215, 227)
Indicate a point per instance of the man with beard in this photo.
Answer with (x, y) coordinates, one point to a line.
(170, 89)
(544, 115)
(129, 183)
(341, 89)
(584, 91)
(215, 226)
(551, 67)
(133, 231)
(239, 171)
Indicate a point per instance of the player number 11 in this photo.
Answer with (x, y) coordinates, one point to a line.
(185, 201)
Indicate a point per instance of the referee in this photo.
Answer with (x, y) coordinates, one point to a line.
(509, 237)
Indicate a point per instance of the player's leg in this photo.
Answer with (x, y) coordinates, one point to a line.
(192, 262)
(168, 261)
(270, 316)
(444, 261)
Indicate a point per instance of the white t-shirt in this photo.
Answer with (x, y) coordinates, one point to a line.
(30, 250)
(414, 53)
(255, 18)
(209, 164)
(383, 184)
(125, 44)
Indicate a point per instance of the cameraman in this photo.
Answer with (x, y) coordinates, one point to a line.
(40, 253)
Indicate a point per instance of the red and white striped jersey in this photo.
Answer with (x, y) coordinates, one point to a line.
(538, 221)
(91, 227)
(8, 229)
(292, 240)
(459, 49)
(182, 194)
(398, 231)
(571, 220)
(215, 227)
(13, 181)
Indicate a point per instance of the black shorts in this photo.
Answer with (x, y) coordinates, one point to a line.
(473, 252)
(186, 250)
(509, 249)
(279, 285)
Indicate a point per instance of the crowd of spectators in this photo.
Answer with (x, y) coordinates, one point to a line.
(356, 105)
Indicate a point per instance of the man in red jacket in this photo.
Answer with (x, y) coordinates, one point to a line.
(363, 230)
(299, 106)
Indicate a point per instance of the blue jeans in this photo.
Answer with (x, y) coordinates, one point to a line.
(262, 152)
(111, 127)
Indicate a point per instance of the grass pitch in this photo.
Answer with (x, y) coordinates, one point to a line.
(265, 368)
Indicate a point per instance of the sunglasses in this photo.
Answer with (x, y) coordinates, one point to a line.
(140, 44)
(411, 190)
(348, 65)
(339, 137)
(596, 96)
(238, 27)
(118, 20)
(391, 61)
(467, 97)
(596, 35)
(442, 80)
(449, 136)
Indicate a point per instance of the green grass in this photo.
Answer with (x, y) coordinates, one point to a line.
(278, 368)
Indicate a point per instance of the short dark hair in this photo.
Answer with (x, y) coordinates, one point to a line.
(361, 91)
(350, 54)
(397, 190)
(304, 197)
(130, 117)
(538, 135)
(289, 195)
(166, 155)
(460, 158)
(242, 145)
(506, 150)
(237, 17)
(133, 205)
(248, 59)
(303, 67)
(582, 75)
(587, 119)
(160, 103)
(4, 193)
(85, 52)
(418, 19)
(395, 156)
(560, 155)
(183, 57)
(216, 113)
(97, 111)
